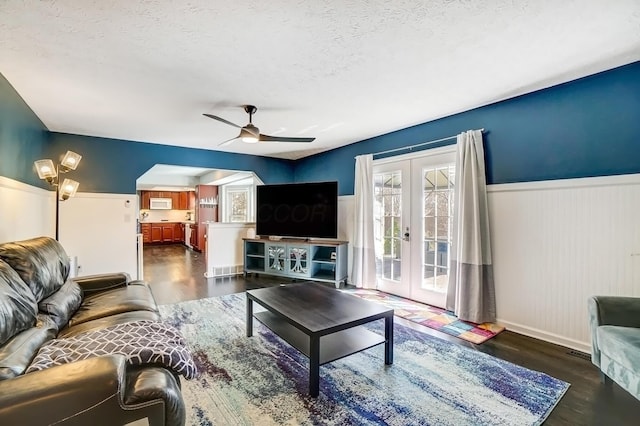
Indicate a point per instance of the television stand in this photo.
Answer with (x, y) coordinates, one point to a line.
(314, 260)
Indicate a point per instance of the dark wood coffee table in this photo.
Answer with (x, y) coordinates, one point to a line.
(321, 322)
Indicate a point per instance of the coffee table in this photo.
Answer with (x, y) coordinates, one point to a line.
(321, 322)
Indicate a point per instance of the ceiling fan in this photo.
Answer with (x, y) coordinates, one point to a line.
(251, 134)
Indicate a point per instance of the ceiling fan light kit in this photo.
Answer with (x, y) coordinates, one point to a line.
(250, 133)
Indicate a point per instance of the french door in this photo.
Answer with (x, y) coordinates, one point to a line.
(413, 214)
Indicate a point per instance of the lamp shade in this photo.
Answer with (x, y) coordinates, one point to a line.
(70, 160)
(68, 188)
(46, 169)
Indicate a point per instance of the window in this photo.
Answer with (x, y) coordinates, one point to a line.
(238, 203)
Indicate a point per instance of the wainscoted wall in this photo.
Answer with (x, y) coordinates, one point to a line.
(346, 211)
(22, 211)
(556, 243)
(100, 229)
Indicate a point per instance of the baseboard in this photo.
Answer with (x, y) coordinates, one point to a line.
(547, 337)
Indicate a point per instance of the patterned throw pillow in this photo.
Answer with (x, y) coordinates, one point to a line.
(141, 342)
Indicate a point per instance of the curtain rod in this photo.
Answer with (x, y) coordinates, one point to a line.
(410, 147)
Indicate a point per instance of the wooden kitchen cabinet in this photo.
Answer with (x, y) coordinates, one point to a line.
(156, 233)
(175, 201)
(178, 234)
(145, 229)
(194, 237)
(183, 200)
(167, 232)
(145, 196)
(162, 232)
(180, 200)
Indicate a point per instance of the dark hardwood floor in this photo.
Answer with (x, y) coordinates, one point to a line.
(176, 274)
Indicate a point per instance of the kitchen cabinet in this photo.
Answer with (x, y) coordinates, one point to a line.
(156, 233)
(178, 234)
(145, 196)
(183, 201)
(180, 200)
(194, 237)
(167, 233)
(175, 200)
(162, 232)
(145, 229)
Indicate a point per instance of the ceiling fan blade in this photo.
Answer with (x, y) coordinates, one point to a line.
(215, 117)
(228, 141)
(267, 138)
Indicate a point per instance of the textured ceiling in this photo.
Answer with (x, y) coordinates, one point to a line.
(339, 70)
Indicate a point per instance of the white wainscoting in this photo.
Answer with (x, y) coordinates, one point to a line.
(100, 229)
(556, 243)
(97, 230)
(22, 211)
(346, 211)
(225, 248)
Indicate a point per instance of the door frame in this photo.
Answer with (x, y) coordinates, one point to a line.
(412, 265)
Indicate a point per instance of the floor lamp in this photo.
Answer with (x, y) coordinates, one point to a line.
(51, 173)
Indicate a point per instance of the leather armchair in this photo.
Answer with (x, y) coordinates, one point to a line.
(615, 340)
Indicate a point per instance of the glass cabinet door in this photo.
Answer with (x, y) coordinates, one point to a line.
(276, 257)
(298, 257)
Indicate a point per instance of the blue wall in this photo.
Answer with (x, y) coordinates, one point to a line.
(113, 165)
(587, 127)
(23, 137)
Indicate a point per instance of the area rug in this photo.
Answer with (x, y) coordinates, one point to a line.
(262, 380)
(431, 316)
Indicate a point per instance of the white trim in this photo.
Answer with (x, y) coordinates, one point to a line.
(448, 149)
(586, 182)
(101, 195)
(547, 337)
(6, 182)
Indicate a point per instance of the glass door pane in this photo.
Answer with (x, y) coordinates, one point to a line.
(391, 184)
(437, 195)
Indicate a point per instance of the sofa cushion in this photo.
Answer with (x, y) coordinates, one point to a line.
(133, 297)
(41, 263)
(18, 307)
(62, 304)
(621, 344)
(108, 321)
(18, 352)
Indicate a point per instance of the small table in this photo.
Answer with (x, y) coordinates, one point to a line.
(322, 323)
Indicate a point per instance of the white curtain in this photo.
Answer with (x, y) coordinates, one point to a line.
(471, 290)
(363, 273)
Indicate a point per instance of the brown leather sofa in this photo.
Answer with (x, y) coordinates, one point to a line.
(39, 303)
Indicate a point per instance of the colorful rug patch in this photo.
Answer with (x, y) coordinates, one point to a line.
(432, 317)
(262, 380)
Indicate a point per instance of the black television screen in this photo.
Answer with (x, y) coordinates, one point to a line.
(302, 210)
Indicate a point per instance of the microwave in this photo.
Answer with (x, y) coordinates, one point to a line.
(160, 203)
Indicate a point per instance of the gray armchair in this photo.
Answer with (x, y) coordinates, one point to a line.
(615, 340)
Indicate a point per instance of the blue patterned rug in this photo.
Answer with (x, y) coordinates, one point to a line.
(263, 381)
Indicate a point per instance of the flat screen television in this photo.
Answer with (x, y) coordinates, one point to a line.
(300, 210)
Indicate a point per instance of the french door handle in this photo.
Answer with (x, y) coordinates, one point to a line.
(405, 236)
